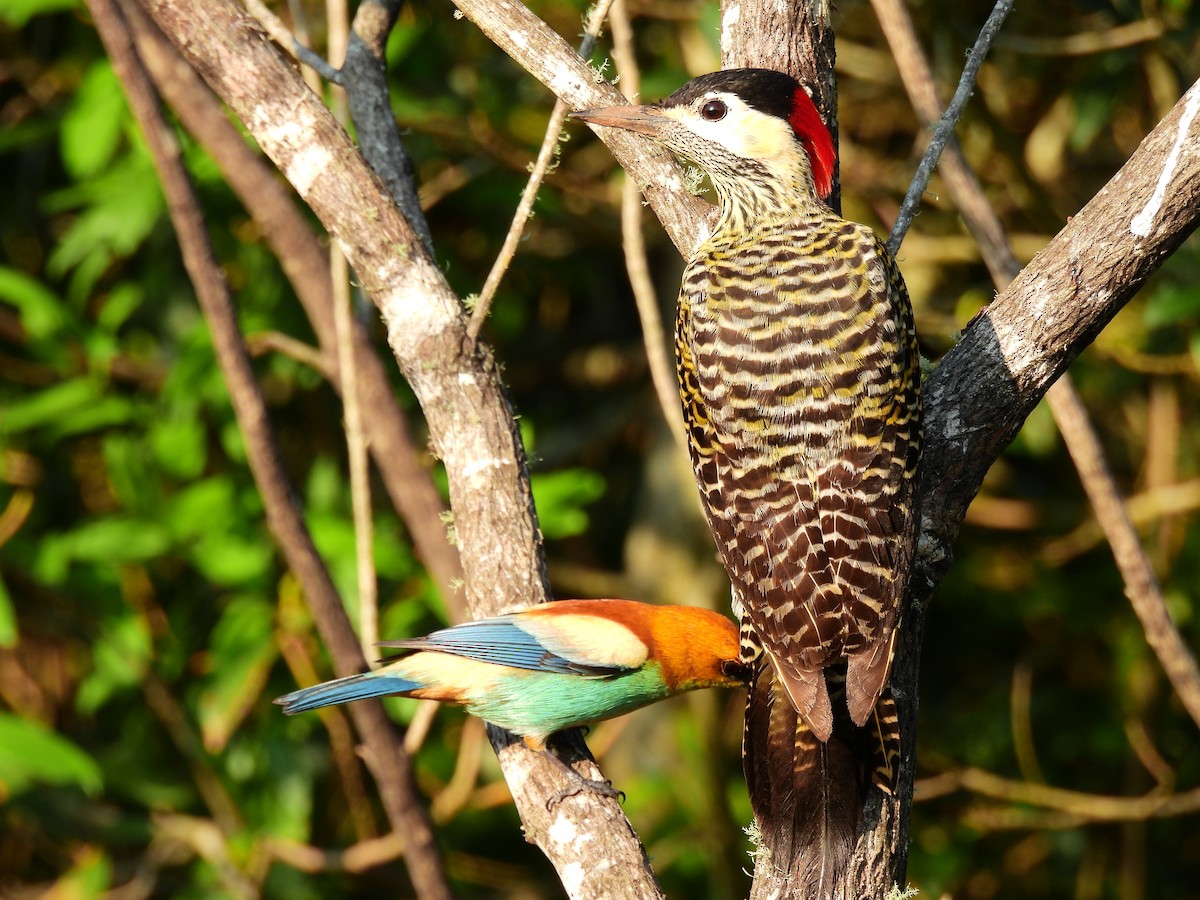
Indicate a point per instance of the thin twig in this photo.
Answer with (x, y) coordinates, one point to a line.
(356, 454)
(1021, 701)
(272, 206)
(966, 84)
(1092, 807)
(547, 154)
(1141, 586)
(1086, 43)
(633, 243)
(366, 854)
(385, 753)
(262, 342)
(543, 53)
(358, 462)
(273, 26)
(451, 800)
(1149, 506)
(298, 651)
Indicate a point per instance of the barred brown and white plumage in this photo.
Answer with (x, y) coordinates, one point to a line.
(800, 380)
(799, 376)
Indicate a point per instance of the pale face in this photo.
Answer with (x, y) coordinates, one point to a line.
(725, 119)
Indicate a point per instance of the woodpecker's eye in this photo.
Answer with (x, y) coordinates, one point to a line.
(714, 110)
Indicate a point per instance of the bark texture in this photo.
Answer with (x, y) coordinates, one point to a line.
(471, 425)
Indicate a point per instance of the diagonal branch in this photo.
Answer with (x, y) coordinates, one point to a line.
(546, 156)
(471, 425)
(384, 754)
(553, 62)
(948, 122)
(306, 265)
(1082, 443)
(633, 241)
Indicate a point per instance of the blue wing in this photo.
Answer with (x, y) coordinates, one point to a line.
(502, 641)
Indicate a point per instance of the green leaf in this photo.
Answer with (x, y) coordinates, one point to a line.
(90, 876)
(241, 654)
(181, 445)
(326, 490)
(120, 654)
(206, 507)
(119, 305)
(91, 128)
(561, 497)
(228, 560)
(42, 313)
(104, 413)
(8, 618)
(131, 476)
(18, 12)
(118, 209)
(118, 539)
(31, 753)
(49, 405)
(1172, 304)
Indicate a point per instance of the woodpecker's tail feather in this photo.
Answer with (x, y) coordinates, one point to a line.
(808, 794)
(343, 690)
(883, 733)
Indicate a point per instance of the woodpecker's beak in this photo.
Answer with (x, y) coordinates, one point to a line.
(648, 120)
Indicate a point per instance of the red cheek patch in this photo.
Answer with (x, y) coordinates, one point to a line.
(806, 123)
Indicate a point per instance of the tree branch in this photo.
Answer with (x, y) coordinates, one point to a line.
(455, 379)
(306, 265)
(949, 121)
(552, 61)
(1082, 443)
(547, 154)
(384, 754)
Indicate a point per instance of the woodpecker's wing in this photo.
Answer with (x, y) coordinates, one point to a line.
(887, 472)
(798, 374)
(541, 639)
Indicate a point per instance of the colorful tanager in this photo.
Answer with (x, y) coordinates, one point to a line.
(553, 666)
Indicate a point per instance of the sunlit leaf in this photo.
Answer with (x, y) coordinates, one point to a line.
(92, 125)
(240, 654)
(120, 653)
(48, 405)
(18, 12)
(118, 539)
(117, 210)
(230, 560)
(8, 618)
(119, 305)
(31, 753)
(181, 445)
(42, 312)
(561, 497)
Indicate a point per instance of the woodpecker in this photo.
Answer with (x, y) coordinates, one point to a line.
(799, 375)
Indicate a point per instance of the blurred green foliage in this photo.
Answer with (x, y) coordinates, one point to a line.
(146, 618)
